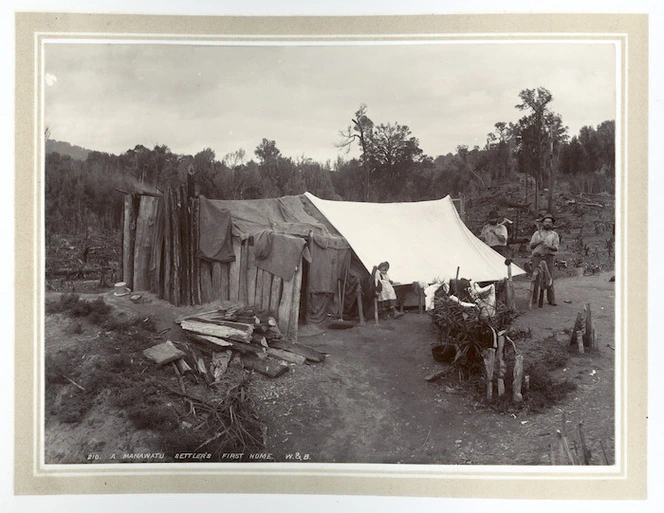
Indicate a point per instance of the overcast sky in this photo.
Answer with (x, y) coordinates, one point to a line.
(111, 97)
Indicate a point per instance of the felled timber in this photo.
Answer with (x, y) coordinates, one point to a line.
(258, 292)
(251, 275)
(286, 355)
(295, 304)
(223, 284)
(205, 276)
(175, 248)
(156, 270)
(242, 298)
(267, 366)
(219, 364)
(167, 284)
(184, 246)
(216, 330)
(267, 290)
(195, 217)
(309, 353)
(145, 226)
(163, 353)
(234, 272)
(275, 293)
(131, 202)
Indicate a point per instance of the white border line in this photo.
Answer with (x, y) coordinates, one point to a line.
(341, 470)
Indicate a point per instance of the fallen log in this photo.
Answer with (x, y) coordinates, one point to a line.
(267, 367)
(286, 355)
(214, 344)
(215, 330)
(309, 353)
(220, 363)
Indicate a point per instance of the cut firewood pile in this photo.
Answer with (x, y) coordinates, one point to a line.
(215, 337)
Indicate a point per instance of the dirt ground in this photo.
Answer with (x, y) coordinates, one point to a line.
(369, 402)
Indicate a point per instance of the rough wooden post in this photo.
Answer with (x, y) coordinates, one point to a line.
(579, 341)
(501, 364)
(517, 396)
(129, 238)
(358, 295)
(588, 336)
(489, 363)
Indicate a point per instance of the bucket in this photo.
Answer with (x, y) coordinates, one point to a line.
(121, 289)
(580, 270)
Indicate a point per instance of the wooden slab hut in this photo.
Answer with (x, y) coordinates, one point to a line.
(277, 255)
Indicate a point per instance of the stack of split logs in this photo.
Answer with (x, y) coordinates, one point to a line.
(255, 338)
(583, 336)
(494, 357)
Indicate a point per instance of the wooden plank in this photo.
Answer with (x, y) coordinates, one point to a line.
(251, 275)
(234, 272)
(243, 273)
(275, 294)
(168, 250)
(216, 281)
(205, 275)
(267, 367)
(211, 343)
(156, 274)
(163, 353)
(267, 290)
(216, 330)
(145, 225)
(283, 313)
(183, 218)
(196, 261)
(128, 240)
(224, 282)
(295, 304)
(258, 298)
(175, 247)
(286, 355)
(309, 353)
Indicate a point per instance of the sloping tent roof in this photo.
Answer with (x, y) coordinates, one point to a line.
(285, 215)
(422, 240)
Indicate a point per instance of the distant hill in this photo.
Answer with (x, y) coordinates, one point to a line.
(64, 148)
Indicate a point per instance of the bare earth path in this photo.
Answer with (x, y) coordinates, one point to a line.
(369, 401)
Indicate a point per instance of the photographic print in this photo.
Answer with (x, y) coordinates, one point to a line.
(269, 249)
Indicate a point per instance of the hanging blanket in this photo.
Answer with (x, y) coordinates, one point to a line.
(215, 241)
(278, 253)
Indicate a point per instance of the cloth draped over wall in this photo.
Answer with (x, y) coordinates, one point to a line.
(330, 262)
(215, 232)
(278, 253)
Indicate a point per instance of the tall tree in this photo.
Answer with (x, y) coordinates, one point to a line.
(539, 135)
(388, 152)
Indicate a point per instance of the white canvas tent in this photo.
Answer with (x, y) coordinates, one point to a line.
(423, 241)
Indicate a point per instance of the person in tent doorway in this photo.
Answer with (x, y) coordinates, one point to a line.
(544, 245)
(385, 294)
(494, 234)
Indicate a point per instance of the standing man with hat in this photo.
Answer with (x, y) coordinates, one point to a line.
(544, 245)
(494, 234)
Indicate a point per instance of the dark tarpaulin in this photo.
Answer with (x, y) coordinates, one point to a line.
(215, 242)
(278, 253)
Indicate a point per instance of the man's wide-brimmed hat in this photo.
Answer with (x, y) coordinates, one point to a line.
(548, 216)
